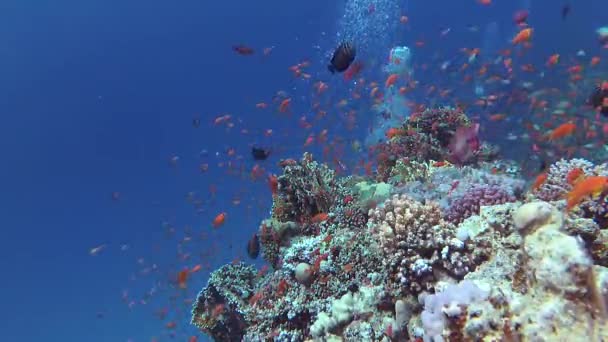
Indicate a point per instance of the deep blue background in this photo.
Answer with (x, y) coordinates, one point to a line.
(96, 96)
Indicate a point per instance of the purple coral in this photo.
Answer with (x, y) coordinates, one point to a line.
(472, 200)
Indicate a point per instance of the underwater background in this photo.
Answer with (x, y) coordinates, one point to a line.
(128, 127)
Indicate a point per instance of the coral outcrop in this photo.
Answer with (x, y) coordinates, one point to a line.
(451, 254)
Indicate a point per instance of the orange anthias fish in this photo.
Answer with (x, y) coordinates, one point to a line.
(590, 186)
(497, 117)
(393, 132)
(320, 217)
(540, 180)
(219, 220)
(273, 184)
(575, 176)
(523, 36)
(182, 277)
(284, 106)
(562, 130)
(390, 80)
(554, 59)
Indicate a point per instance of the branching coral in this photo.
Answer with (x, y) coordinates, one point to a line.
(471, 201)
(418, 243)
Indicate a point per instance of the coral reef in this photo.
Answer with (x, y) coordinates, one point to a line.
(440, 122)
(556, 292)
(443, 254)
(438, 134)
(218, 308)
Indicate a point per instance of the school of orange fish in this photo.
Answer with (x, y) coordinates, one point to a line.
(558, 123)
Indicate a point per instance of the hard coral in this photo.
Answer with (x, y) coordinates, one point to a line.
(304, 189)
(563, 298)
(556, 185)
(435, 134)
(418, 244)
(440, 122)
(273, 234)
(218, 309)
(471, 201)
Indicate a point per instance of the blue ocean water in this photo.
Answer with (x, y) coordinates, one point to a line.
(99, 98)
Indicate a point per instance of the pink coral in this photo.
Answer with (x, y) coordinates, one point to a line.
(472, 200)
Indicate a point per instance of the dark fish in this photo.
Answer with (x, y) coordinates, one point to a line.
(543, 166)
(520, 17)
(565, 11)
(597, 98)
(259, 153)
(253, 247)
(343, 56)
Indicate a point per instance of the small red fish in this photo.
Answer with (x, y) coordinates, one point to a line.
(273, 184)
(554, 59)
(441, 163)
(539, 181)
(353, 71)
(284, 106)
(390, 80)
(242, 50)
(393, 132)
(523, 36)
(575, 175)
(219, 220)
(182, 277)
(320, 217)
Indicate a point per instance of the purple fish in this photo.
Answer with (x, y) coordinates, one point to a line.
(464, 144)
